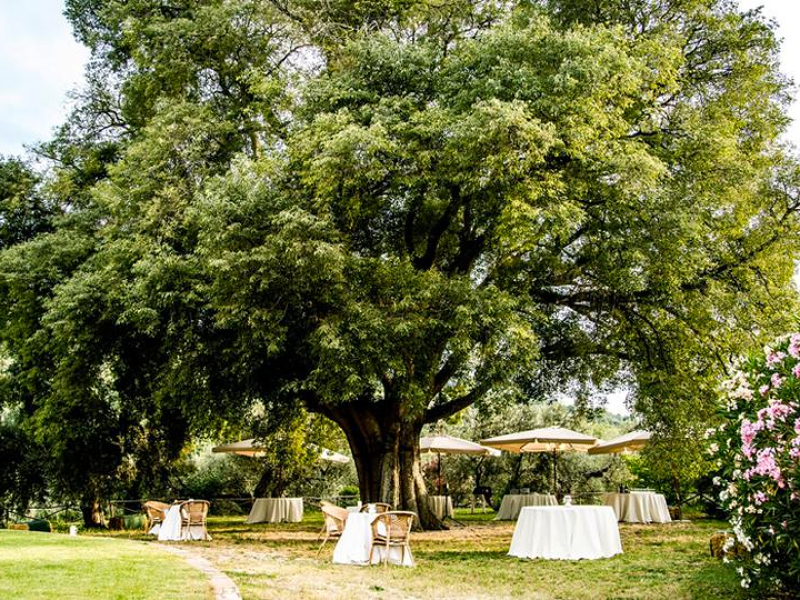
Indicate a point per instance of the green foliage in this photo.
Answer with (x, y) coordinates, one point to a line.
(757, 448)
(23, 211)
(385, 210)
(22, 470)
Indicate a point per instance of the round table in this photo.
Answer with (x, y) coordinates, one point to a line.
(639, 507)
(566, 533)
(442, 506)
(276, 510)
(513, 503)
(353, 548)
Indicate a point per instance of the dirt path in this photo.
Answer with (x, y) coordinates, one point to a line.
(223, 586)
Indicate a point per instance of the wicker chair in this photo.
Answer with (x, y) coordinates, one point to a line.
(193, 515)
(156, 512)
(392, 529)
(335, 517)
(380, 507)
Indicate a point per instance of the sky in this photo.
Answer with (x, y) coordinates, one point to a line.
(40, 62)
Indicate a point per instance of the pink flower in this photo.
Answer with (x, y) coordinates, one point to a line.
(776, 380)
(763, 389)
(775, 358)
(749, 431)
(796, 371)
(794, 345)
(766, 465)
(759, 497)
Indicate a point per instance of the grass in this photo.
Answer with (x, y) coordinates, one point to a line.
(45, 566)
(271, 561)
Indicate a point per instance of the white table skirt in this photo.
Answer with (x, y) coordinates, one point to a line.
(513, 503)
(276, 510)
(442, 506)
(639, 507)
(354, 546)
(566, 533)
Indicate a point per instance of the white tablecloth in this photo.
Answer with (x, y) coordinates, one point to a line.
(356, 542)
(513, 503)
(276, 510)
(442, 506)
(170, 530)
(566, 533)
(639, 507)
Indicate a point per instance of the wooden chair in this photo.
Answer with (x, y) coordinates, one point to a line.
(335, 518)
(380, 507)
(156, 512)
(390, 530)
(193, 515)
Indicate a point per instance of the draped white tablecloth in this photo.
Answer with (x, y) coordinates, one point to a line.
(639, 507)
(566, 533)
(513, 503)
(354, 546)
(442, 506)
(276, 510)
(171, 531)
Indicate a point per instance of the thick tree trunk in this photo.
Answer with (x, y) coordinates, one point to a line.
(92, 512)
(385, 449)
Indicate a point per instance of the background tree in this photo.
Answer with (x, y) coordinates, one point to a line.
(385, 210)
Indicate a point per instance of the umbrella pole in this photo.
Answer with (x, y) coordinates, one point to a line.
(439, 471)
(555, 477)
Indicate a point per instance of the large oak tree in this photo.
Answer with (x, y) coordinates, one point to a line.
(385, 210)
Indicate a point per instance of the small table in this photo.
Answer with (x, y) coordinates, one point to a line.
(566, 533)
(276, 510)
(442, 506)
(171, 530)
(354, 546)
(639, 507)
(513, 503)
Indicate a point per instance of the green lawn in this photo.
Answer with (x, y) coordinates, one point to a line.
(659, 562)
(277, 561)
(44, 566)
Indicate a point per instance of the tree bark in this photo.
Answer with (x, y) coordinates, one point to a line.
(92, 512)
(385, 448)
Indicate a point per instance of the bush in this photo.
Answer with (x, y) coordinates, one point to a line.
(758, 446)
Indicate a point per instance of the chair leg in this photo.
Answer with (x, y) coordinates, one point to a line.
(321, 531)
(371, 550)
(323, 543)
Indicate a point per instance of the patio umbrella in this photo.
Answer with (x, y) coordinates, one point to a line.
(251, 448)
(546, 439)
(447, 444)
(630, 442)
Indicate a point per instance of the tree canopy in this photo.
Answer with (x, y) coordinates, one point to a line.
(385, 210)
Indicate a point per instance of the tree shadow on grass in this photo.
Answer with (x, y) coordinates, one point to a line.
(461, 555)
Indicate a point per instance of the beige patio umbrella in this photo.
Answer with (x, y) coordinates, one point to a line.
(250, 448)
(545, 439)
(447, 444)
(630, 442)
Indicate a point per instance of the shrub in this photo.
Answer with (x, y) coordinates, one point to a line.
(758, 447)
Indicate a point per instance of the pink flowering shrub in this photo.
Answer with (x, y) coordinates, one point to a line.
(758, 453)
